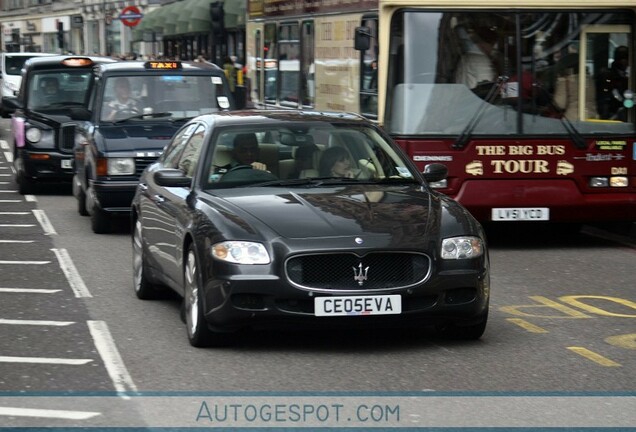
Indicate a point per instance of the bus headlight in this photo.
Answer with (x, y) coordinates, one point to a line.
(603, 182)
(618, 181)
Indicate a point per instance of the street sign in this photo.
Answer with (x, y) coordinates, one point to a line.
(130, 16)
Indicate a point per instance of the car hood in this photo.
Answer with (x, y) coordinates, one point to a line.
(133, 137)
(334, 212)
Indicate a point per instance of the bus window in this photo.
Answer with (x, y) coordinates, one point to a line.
(308, 79)
(289, 65)
(270, 67)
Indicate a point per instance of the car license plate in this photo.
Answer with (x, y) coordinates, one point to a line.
(358, 305)
(66, 164)
(521, 214)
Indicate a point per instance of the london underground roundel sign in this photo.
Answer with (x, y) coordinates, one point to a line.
(130, 16)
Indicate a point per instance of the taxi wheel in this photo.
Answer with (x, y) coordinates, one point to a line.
(25, 186)
(199, 334)
(144, 289)
(81, 203)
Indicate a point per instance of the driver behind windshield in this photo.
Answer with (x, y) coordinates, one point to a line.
(123, 105)
(244, 153)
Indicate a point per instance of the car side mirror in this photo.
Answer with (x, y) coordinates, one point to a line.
(362, 38)
(77, 113)
(11, 102)
(172, 178)
(435, 172)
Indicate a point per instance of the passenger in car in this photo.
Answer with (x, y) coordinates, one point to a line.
(336, 162)
(304, 160)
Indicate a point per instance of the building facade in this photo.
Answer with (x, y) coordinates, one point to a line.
(171, 28)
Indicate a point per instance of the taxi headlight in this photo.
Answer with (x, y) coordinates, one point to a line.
(240, 252)
(33, 134)
(121, 166)
(462, 248)
(618, 181)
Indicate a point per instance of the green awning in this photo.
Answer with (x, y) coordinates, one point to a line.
(184, 15)
(200, 20)
(171, 14)
(145, 25)
(235, 11)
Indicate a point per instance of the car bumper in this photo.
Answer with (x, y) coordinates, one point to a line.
(45, 166)
(244, 301)
(114, 196)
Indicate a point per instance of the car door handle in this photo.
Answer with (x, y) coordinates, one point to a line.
(158, 199)
(143, 187)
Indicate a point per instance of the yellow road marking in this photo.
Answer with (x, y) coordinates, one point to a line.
(596, 358)
(526, 325)
(624, 341)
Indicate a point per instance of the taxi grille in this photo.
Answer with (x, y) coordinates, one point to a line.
(339, 271)
(66, 138)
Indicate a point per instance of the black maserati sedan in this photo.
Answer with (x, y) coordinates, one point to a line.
(265, 219)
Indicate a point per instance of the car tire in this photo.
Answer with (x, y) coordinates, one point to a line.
(81, 202)
(25, 185)
(144, 289)
(199, 334)
(469, 332)
(100, 222)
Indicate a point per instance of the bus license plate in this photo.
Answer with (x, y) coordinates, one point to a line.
(358, 305)
(521, 214)
(67, 164)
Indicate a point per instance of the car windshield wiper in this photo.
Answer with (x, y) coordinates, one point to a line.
(494, 90)
(141, 116)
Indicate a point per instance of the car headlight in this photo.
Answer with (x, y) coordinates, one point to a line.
(462, 248)
(33, 134)
(121, 166)
(240, 252)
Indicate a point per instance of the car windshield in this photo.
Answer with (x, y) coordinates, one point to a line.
(58, 89)
(13, 64)
(172, 96)
(301, 155)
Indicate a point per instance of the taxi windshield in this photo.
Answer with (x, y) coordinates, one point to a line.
(170, 97)
(58, 89)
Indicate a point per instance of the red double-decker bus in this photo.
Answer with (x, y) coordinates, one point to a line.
(528, 103)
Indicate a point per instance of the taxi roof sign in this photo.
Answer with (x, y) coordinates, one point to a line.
(77, 62)
(162, 65)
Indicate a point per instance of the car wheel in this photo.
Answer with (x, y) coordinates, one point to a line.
(144, 289)
(81, 201)
(470, 332)
(199, 334)
(25, 185)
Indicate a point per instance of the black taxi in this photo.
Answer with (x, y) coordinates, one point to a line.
(43, 125)
(135, 110)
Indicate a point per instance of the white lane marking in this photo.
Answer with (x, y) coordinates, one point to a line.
(17, 225)
(8, 191)
(17, 241)
(8, 156)
(25, 262)
(47, 413)
(29, 290)
(4, 182)
(44, 221)
(4, 144)
(5, 175)
(36, 322)
(14, 213)
(110, 356)
(10, 201)
(72, 275)
(30, 198)
(46, 360)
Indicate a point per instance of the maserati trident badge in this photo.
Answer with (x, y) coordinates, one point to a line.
(360, 274)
